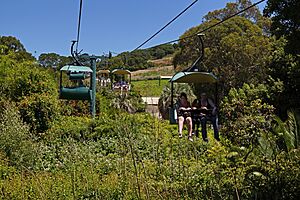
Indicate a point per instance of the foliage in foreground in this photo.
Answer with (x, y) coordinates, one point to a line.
(136, 156)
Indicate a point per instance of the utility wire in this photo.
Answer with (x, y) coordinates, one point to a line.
(166, 25)
(210, 27)
(79, 22)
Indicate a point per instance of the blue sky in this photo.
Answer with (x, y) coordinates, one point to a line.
(46, 26)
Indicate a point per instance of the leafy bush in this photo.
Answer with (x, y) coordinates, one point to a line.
(38, 111)
(15, 137)
(33, 89)
(25, 79)
(246, 116)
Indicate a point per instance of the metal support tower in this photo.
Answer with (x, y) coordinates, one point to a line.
(93, 101)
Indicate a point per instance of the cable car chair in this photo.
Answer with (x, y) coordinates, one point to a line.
(103, 78)
(76, 74)
(189, 77)
(192, 75)
(121, 85)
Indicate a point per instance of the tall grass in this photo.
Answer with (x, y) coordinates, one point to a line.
(137, 157)
(150, 88)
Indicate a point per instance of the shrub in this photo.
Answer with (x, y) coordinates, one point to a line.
(38, 111)
(246, 116)
(15, 136)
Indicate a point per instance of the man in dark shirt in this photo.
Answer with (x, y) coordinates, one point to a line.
(204, 110)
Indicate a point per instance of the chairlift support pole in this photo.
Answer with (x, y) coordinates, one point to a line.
(93, 101)
(172, 96)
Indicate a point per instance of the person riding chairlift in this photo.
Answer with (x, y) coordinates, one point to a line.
(183, 108)
(204, 110)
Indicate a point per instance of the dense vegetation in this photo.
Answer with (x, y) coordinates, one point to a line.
(135, 60)
(139, 59)
(51, 149)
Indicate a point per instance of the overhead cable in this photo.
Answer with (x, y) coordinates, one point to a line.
(79, 22)
(212, 26)
(156, 33)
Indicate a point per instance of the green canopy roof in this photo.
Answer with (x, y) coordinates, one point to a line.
(121, 71)
(194, 77)
(73, 68)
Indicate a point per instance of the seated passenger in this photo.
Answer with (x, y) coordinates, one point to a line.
(184, 115)
(196, 117)
(205, 110)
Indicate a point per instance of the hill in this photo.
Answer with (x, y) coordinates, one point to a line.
(162, 67)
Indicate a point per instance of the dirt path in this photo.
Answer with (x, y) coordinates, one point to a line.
(151, 100)
(152, 105)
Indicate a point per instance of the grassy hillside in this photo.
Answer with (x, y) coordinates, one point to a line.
(147, 82)
(149, 88)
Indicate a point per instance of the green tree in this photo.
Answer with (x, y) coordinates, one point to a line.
(138, 59)
(236, 52)
(12, 47)
(234, 7)
(284, 62)
(159, 53)
(285, 17)
(53, 60)
(24, 79)
(286, 68)
(32, 88)
(247, 114)
(12, 43)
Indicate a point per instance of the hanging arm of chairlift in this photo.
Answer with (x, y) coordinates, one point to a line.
(201, 53)
(74, 53)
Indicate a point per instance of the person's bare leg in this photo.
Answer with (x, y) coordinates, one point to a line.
(180, 125)
(189, 125)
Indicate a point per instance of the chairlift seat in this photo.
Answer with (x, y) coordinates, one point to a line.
(77, 76)
(189, 77)
(76, 93)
